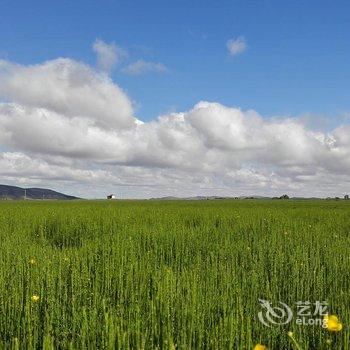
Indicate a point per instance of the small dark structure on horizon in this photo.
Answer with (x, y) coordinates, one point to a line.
(285, 196)
(346, 197)
(111, 196)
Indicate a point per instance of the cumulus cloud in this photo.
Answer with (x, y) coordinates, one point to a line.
(142, 67)
(69, 88)
(65, 123)
(236, 46)
(108, 55)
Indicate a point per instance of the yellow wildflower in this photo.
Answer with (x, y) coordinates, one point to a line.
(260, 347)
(35, 298)
(332, 323)
(32, 261)
(290, 334)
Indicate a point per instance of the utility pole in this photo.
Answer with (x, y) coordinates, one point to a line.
(25, 193)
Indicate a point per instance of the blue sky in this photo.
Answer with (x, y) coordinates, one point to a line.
(296, 61)
(83, 82)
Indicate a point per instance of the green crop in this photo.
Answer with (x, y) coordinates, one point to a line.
(170, 274)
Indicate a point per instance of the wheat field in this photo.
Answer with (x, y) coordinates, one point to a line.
(170, 274)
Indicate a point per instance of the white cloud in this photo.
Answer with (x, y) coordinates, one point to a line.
(67, 87)
(108, 55)
(142, 67)
(236, 46)
(67, 125)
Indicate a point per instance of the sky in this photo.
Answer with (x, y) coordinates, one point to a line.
(158, 98)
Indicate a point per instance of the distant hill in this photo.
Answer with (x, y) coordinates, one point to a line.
(13, 192)
(201, 198)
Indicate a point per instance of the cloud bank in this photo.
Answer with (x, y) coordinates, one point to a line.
(65, 125)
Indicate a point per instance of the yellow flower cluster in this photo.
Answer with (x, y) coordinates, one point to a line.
(332, 323)
(35, 298)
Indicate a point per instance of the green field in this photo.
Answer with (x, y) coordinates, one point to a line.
(170, 275)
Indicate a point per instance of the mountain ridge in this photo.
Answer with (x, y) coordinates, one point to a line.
(15, 192)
